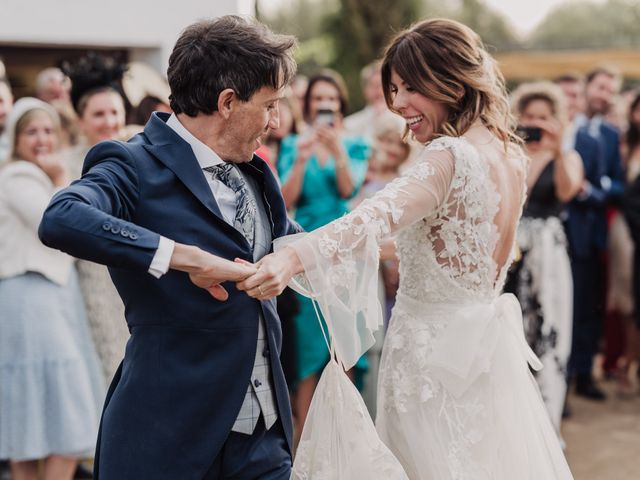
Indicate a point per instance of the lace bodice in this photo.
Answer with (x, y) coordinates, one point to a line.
(447, 256)
(447, 211)
(455, 261)
(456, 398)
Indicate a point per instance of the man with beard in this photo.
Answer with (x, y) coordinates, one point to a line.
(603, 186)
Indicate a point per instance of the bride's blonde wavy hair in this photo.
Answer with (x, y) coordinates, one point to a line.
(446, 61)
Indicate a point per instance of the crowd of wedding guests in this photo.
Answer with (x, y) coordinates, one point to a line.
(62, 327)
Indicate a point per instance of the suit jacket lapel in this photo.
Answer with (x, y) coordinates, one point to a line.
(176, 154)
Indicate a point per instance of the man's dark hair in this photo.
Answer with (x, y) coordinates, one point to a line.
(227, 52)
(569, 78)
(603, 70)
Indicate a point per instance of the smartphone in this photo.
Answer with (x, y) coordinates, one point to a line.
(529, 134)
(325, 117)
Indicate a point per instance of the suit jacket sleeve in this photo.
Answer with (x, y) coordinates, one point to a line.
(614, 168)
(593, 158)
(91, 219)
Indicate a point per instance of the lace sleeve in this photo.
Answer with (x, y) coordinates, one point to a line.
(341, 259)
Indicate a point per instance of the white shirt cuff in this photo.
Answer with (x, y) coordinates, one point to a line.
(161, 260)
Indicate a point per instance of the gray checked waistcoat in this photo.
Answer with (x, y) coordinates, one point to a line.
(259, 397)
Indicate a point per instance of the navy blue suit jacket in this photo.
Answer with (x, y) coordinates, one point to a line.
(610, 140)
(188, 362)
(586, 225)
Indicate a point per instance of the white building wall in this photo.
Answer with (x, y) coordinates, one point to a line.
(147, 28)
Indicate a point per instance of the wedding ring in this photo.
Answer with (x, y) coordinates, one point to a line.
(260, 290)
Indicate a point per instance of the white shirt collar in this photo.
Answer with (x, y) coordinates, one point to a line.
(580, 120)
(594, 126)
(204, 155)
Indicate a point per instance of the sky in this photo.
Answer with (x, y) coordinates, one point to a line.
(524, 15)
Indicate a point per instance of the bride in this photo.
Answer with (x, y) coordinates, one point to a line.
(456, 397)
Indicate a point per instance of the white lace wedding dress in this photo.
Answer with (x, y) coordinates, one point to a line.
(456, 399)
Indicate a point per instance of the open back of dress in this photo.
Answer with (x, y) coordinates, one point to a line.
(456, 398)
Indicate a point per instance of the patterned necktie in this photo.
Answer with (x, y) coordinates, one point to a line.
(246, 208)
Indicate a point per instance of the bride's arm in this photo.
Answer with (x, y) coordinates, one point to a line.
(341, 259)
(357, 235)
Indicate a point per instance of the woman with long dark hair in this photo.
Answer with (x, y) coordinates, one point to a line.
(456, 398)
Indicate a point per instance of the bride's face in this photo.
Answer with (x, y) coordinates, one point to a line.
(423, 115)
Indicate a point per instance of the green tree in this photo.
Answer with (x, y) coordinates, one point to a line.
(615, 23)
(306, 20)
(346, 35)
(360, 30)
(493, 27)
(302, 18)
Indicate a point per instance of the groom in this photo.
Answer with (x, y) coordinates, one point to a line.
(200, 393)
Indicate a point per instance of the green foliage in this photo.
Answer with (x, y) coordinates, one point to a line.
(360, 31)
(306, 20)
(348, 34)
(583, 24)
(302, 18)
(493, 27)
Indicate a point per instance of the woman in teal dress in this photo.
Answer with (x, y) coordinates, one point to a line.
(320, 171)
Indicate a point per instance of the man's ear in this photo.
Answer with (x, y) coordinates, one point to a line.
(226, 102)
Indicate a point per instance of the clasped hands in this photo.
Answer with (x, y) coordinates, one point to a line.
(272, 274)
(263, 280)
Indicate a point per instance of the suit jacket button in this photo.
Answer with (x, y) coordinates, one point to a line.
(124, 232)
(106, 226)
(115, 229)
(133, 236)
(257, 383)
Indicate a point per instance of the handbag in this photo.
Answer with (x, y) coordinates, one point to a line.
(339, 440)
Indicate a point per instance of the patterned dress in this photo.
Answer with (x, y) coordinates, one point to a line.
(542, 281)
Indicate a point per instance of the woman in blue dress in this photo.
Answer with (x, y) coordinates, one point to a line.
(320, 170)
(51, 386)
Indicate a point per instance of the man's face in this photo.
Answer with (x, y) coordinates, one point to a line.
(600, 93)
(574, 95)
(6, 103)
(250, 122)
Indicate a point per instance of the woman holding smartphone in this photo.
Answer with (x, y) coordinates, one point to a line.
(320, 171)
(542, 278)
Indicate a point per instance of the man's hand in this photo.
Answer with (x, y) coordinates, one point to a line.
(273, 275)
(209, 271)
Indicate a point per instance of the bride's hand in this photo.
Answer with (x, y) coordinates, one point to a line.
(273, 275)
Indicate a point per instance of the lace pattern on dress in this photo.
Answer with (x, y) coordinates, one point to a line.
(455, 244)
(446, 257)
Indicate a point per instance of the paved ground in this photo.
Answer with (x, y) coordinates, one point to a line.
(603, 439)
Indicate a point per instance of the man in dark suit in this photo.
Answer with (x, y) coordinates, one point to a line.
(200, 393)
(597, 143)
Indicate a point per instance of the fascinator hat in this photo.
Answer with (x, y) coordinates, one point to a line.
(92, 74)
